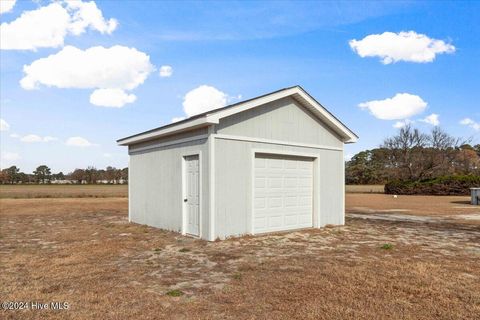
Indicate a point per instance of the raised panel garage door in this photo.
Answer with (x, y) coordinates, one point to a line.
(283, 193)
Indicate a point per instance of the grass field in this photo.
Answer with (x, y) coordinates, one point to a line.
(104, 191)
(62, 191)
(84, 251)
(367, 188)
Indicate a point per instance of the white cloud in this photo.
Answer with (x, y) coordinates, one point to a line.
(165, 71)
(87, 15)
(401, 106)
(432, 119)
(6, 5)
(403, 46)
(49, 138)
(79, 142)
(403, 123)
(176, 119)
(202, 99)
(114, 98)
(30, 138)
(15, 135)
(111, 69)
(4, 126)
(107, 155)
(472, 124)
(47, 27)
(96, 67)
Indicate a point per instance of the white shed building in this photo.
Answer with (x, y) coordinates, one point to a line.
(267, 164)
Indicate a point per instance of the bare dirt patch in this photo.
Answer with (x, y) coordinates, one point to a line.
(85, 252)
(444, 207)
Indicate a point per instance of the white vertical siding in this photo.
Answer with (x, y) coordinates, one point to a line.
(156, 196)
(283, 120)
(155, 175)
(233, 187)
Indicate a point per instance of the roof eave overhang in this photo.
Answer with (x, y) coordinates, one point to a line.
(297, 93)
(186, 126)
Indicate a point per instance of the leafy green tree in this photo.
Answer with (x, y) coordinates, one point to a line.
(110, 174)
(91, 175)
(42, 174)
(13, 174)
(124, 174)
(78, 175)
(59, 176)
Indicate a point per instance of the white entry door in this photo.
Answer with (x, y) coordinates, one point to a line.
(192, 195)
(283, 193)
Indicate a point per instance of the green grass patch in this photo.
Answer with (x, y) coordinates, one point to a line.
(175, 293)
(387, 246)
(237, 276)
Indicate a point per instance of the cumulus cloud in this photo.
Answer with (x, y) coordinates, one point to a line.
(403, 46)
(47, 27)
(6, 5)
(15, 135)
(79, 142)
(4, 126)
(470, 123)
(112, 70)
(401, 106)
(176, 119)
(165, 71)
(202, 99)
(31, 138)
(96, 67)
(432, 119)
(114, 98)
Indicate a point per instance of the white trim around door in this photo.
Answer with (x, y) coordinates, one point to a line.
(315, 187)
(193, 195)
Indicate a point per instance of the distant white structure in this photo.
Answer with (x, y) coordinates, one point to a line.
(475, 196)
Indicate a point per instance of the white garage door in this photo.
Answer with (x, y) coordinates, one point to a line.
(283, 191)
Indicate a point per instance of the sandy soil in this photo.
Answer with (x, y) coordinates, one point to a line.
(85, 252)
(413, 205)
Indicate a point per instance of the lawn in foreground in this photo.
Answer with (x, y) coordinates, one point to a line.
(84, 251)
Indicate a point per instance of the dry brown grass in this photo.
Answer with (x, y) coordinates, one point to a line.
(85, 252)
(415, 205)
(366, 188)
(62, 191)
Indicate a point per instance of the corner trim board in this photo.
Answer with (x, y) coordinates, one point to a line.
(211, 163)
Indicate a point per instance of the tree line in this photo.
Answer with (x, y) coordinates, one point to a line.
(412, 155)
(43, 175)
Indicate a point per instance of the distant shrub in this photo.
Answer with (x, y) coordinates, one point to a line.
(387, 246)
(175, 293)
(446, 185)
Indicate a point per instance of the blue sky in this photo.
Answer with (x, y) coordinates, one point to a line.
(238, 50)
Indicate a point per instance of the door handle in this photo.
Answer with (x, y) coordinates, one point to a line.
(185, 200)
